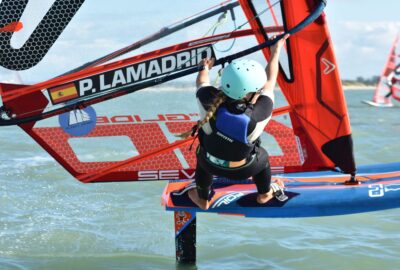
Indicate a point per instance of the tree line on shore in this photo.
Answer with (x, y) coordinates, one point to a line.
(371, 81)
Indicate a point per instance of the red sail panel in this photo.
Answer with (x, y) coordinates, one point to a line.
(156, 157)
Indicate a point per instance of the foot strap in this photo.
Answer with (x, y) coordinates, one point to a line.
(279, 192)
(185, 189)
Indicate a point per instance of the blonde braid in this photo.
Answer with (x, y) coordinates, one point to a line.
(219, 99)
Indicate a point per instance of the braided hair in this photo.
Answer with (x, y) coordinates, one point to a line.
(218, 100)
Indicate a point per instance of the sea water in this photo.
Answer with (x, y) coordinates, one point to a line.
(48, 220)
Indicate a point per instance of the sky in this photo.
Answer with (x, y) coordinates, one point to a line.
(362, 32)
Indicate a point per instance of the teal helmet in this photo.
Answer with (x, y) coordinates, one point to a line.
(242, 77)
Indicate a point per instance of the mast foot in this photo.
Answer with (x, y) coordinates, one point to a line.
(352, 181)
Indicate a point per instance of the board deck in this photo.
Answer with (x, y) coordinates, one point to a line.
(310, 194)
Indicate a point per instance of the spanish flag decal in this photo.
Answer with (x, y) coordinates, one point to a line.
(63, 93)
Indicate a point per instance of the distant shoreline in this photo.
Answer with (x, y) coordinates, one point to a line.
(191, 86)
(359, 87)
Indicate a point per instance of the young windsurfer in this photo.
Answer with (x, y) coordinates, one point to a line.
(232, 122)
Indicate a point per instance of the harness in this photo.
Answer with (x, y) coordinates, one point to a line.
(228, 140)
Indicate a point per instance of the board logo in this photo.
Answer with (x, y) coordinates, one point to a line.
(380, 190)
(182, 219)
(227, 199)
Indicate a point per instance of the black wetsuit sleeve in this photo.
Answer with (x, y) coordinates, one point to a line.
(262, 109)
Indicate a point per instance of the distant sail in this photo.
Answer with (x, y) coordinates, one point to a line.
(382, 97)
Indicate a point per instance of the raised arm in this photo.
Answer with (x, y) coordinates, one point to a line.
(272, 68)
(202, 76)
(273, 65)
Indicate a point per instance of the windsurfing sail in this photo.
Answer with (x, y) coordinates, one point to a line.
(306, 133)
(388, 86)
(312, 86)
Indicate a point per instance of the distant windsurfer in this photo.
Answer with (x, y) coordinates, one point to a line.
(393, 81)
(232, 121)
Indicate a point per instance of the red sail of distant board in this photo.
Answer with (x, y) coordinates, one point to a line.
(383, 96)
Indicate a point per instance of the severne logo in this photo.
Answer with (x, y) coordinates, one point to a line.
(42, 38)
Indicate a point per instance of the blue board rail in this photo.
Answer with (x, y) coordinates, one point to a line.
(311, 194)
